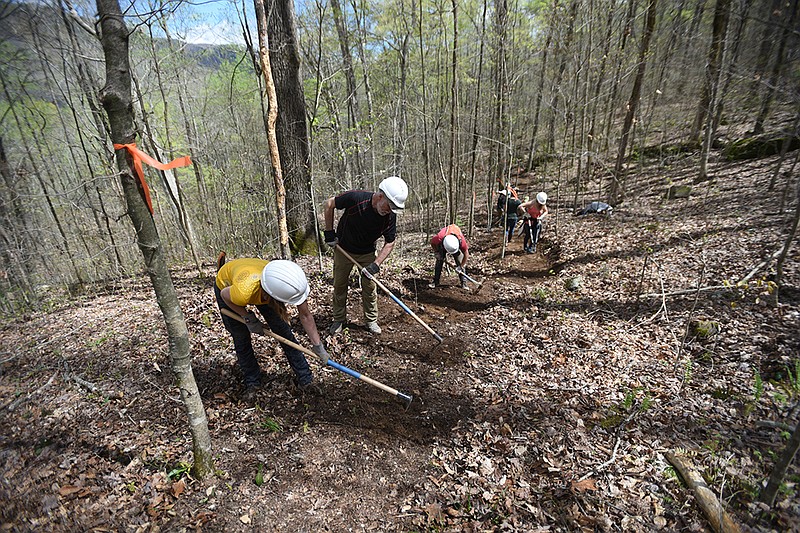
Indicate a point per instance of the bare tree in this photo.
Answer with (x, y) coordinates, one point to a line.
(706, 110)
(777, 67)
(116, 100)
(290, 128)
(272, 116)
(618, 182)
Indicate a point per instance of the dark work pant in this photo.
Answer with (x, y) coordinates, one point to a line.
(437, 268)
(511, 222)
(243, 344)
(531, 228)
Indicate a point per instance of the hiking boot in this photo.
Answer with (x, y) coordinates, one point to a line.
(307, 389)
(373, 327)
(433, 285)
(336, 328)
(529, 250)
(250, 395)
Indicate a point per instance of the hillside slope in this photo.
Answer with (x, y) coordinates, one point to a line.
(543, 409)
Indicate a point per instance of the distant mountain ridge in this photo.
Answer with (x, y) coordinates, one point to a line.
(16, 19)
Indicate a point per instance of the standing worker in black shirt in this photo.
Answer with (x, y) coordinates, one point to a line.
(367, 216)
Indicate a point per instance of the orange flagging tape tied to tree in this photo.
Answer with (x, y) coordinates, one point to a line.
(138, 156)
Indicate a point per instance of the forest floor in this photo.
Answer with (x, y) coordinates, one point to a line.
(544, 409)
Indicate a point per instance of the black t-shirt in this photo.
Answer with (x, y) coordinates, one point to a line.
(360, 225)
(513, 204)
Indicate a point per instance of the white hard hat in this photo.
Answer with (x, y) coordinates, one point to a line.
(396, 191)
(541, 198)
(451, 244)
(285, 281)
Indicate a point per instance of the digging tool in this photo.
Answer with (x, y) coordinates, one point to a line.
(405, 398)
(460, 270)
(397, 300)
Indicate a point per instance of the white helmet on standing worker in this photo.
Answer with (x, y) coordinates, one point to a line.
(541, 198)
(451, 244)
(285, 281)
(396, 191)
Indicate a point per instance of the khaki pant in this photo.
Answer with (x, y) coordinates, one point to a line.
(342, 267)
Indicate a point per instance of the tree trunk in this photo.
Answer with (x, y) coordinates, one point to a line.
(564, 51)
(501, 93)
(779, 472)
(170, 179)
(713, 62)
(540, 89)
(612, 97)
(782, 258)
(272, 138)
(770, 18)
(736, 40)
(116, 100)
(292, 134)
(451, 178)
(707, 110)
(13, 248)
(475, 134)
(353, 112)
(777, 67)
(618, 181)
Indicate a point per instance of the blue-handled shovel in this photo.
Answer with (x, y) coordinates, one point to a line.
(404, 398)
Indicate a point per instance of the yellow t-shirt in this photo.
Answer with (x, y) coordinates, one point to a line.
(243, 276)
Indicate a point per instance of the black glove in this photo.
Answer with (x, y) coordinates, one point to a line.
(253, 323)
(330, 238)
(319, 349)
(372, 268)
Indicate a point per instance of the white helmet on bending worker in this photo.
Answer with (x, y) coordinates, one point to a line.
(451, 244)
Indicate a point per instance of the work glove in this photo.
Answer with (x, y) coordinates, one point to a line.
(371, 269)
(330, 238)
(319, 349)
(253, 323)
(460, 269)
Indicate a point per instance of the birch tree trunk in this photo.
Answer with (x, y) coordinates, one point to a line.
(272, 138)
(116, 100)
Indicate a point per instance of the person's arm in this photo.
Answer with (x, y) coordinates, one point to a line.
(544, 211)
(226, 296)
(307, 320)
(328, 208)
(464, 260)
(384, 253)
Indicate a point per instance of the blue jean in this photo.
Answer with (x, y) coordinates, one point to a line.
(511, 222)
(243, 344)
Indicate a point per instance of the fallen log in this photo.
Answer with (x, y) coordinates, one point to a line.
(720, 521)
